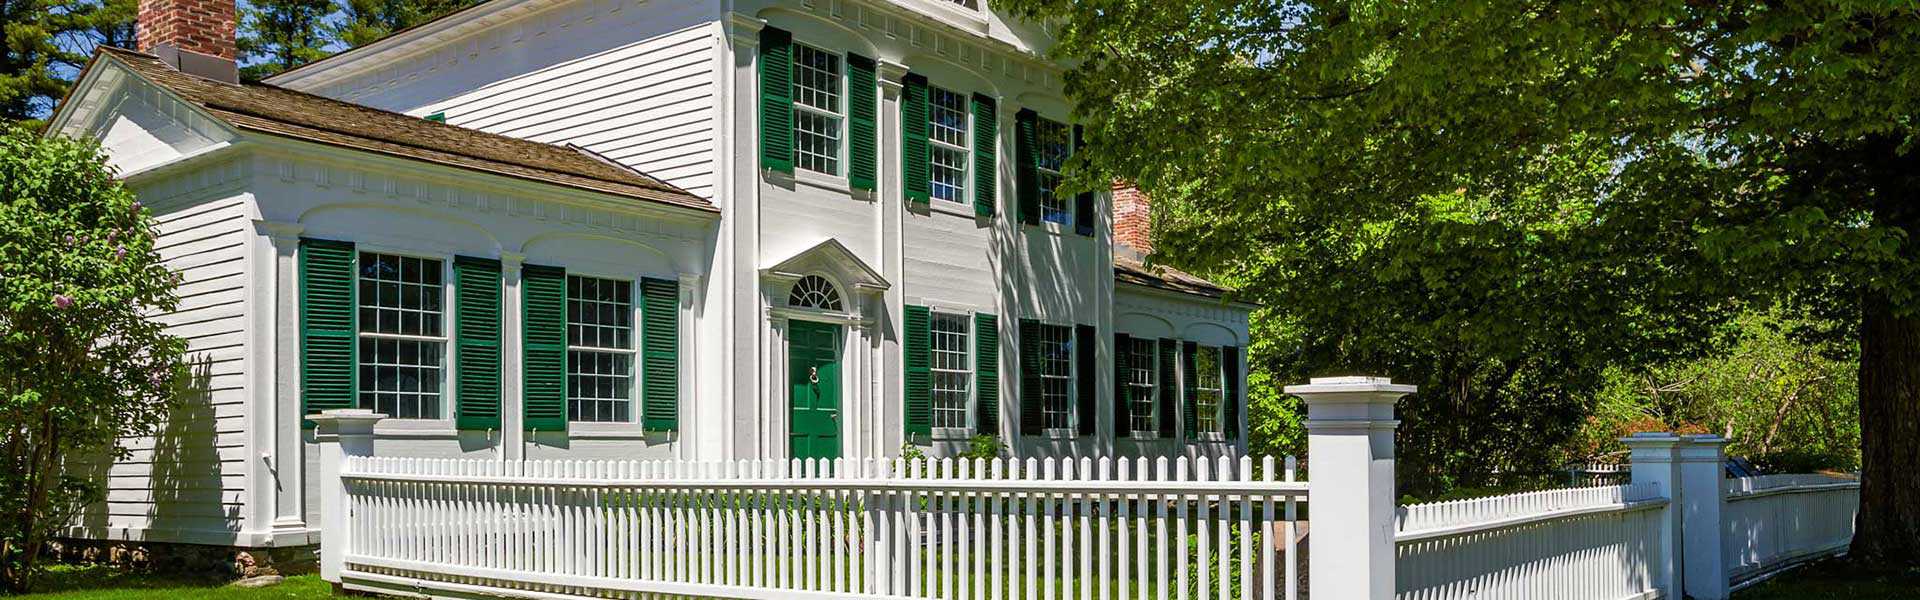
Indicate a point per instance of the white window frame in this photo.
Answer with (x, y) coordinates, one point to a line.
(1073, 381)
(633, 352)
(1218, 434)
(1067, 204)
(1153, 389)
(934, 145)
(840, 117)
(970, 359)
(449, 373)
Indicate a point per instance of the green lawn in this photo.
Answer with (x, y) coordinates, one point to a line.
(100, 583)
(1835, 579)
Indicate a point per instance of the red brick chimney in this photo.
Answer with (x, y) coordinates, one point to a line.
(195, 36)
(1132, 218)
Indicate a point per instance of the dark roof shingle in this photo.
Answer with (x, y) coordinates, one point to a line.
(1129, 268)
(298, 115)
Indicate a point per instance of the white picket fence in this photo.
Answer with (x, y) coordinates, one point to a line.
(943, 528)
(1597, 543)
(1776, 520)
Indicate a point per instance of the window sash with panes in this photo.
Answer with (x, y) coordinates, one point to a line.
(947, 126)
(402, 335)
(1142, 370)
(952, 369)
(1055, 145)
(818, 111)
(1208, 389)
(600, 350)
(1056, 377)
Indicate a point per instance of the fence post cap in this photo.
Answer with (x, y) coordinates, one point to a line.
(1651, 438)
(1704, 439)
(1351, 385)
(345, 421)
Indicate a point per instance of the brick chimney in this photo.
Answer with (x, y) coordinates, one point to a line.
(195, 36)
(1132, 218)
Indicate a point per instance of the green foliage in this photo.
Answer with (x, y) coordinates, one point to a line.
(277, 35)
(983, 447)
(366, 21)
(1502, 202)
(81, 364)
(45, 42)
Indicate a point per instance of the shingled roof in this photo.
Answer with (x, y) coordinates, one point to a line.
(286, 113)
(1129, 268)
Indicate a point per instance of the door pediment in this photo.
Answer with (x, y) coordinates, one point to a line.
(830, 258)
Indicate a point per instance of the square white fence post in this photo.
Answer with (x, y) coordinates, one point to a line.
(1350, 488)
(340, 433)
(1703, 460)
(1656, 464)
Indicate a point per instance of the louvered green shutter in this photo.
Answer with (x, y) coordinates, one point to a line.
(1084, 220)
(913, 137)
(986, 374)
(1026, 156)
(327, 326)
(776, 100)
(986, 167)
(1087, 380)
(862, 86)
(1169, 387)
(919, 375)
(1122, 411)
(1230, 367)
(476, 289)
(1033, 414)
(660, 354)
(1191, 381)
(544, 347)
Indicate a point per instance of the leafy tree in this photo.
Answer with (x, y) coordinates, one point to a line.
(82, 364)
(44, 43)
(1511, 196)
(366, 21)
(277, 35)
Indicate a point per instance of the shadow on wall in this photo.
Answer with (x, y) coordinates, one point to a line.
(187, 498)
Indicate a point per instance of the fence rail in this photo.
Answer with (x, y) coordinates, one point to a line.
(943, 528)
(1592, 543)
(1776, 520)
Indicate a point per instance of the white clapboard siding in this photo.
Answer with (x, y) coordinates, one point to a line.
(1774, 520)
(187, 482)
(1594, 543)
(843, 528)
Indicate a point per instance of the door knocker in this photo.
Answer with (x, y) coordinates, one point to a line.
(813, 374)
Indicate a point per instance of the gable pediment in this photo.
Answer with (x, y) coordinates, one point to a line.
(139, 125)
(833, 259)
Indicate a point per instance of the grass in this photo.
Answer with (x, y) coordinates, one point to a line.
(1835, 578)
(104, 583)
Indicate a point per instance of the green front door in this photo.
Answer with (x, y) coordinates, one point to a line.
(813, 375)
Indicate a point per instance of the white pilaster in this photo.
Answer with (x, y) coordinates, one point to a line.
(1350, 427)
(512, 433)
(276, 422)
(1656, 463)
(339, 433)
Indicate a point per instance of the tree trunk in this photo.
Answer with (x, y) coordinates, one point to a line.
(1887, 530)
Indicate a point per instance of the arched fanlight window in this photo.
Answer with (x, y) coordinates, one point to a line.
(814, 291)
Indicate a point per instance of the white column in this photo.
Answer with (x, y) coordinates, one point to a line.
(1656, 464)
(512, 433)
(340, 433)
(275, 323)
(686, 405)
(1702, 495)
(1350, 445)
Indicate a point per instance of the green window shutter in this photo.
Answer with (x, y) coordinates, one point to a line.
(439, 117)
(476, 288)
(1026, 156)
(913, 137)
(1122, 411)
(1033, 416)
(776, 100)
(1169, 387)
(862, 88)
(919, 375)
(1191, 420)
(1085, 222)
(1087, 380)
(543, 304)
(327, 327)
(986, 374)
(986, 173)
(660, 355)
(1230, 362)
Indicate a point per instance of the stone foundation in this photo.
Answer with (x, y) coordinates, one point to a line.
(222, 561)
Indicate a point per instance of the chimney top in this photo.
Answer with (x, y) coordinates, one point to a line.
(195, 36)
(1132, 218)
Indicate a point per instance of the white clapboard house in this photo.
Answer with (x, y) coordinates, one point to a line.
(633, 229)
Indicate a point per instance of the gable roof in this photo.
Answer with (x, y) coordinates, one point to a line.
(1129, 268)
(286, 113)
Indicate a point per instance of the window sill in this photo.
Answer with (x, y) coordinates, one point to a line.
(605, 431)
(1057, 434)
(415, 428)
(1144, 436)
(949, 434)
(821, 181)
(950, 207)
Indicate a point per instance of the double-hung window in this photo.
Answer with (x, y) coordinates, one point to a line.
(1056, 377)
(952, 369)
(1142, 373)
(1055, 146)
(402, 335)
(600, 350)
(818, 111)
(947, 142)
(1209, 389)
